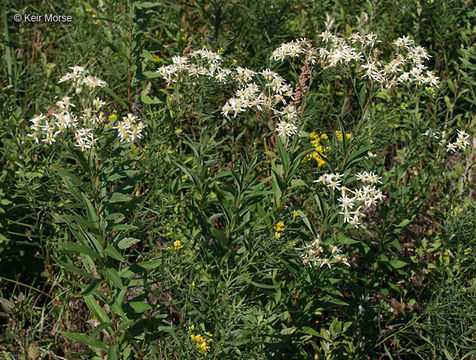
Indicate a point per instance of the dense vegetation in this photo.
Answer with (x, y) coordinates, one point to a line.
(242, 179)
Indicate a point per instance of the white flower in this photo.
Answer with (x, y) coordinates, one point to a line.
(98, 103)
(64, 103)
(92, 81)
(50, 138)
(326, 36)
(78, 69)
(371, 200)
(36, 122)
(354, 221)
(451, 147)
(180, 60)
(346, 202)
(347, 215)
(325, 262)
(334, 184)
(357, 213)
(403, 41)
(66, 77)
(286, 128)
(462, 141)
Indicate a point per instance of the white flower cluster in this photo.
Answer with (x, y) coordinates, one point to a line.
(312, 255)
(85, 138)
(295, 49)
(210, 56)
(275, 91)
(47, 128)
(129, 128)
(181, 66)
(460, 144)
(87, 123)
(273, 97)
(273, 94)
(79, 76)
(285, 128)
(433, 133)
(406, 66)
(367, 195)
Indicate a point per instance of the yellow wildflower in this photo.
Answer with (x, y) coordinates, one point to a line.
(177, 245)
(280, 226)
(295, 214)
(279, 229)
(340, 137)
(317, 155)
(157, 58)
(202, 344)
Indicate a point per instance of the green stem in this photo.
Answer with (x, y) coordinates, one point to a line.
(25, 285)
(362, 117)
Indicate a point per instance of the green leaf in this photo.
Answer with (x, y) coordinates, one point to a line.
(276, 189)
(404, 223)
(70, 181)
(113, 275)
(398, 264)
(356, 157)
(127, 243)
(118, 197)
(362, 95)
(296, 162)
(310, 331)
(283, 154)
(347, 240)
(92, 286)
(77, 248)
(447, 354)
(151, 74)
(90, 210)
(85, 339)
(263, 286)
(75, 270)
(146, 99)
(396, 243)
(122, 227)
(297, 183)
(112, 353)
(139, 307)
(150, 265)
(145, 4)
(320, 204)
(113, 253)
(308, 224)
(96, 309)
